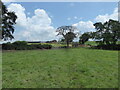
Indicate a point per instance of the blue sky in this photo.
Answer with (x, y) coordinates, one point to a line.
(39, 20)
(60, 12)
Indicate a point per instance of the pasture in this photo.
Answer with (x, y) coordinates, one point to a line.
(62, 68)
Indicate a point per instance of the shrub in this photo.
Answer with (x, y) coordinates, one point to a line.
(46, 46)
(35, 46)
(20, 45)
(7, 46)
(75, 44)
(108, 47)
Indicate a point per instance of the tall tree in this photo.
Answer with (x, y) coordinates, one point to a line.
(67, 32)
(108, 32)
(84, 37)
(8, 19)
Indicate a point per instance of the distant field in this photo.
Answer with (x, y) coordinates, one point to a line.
(93, 43)
(53, 44)
(73, 68)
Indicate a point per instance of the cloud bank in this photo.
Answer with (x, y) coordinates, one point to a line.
(39, 26)
(87, 26)
(106, 17)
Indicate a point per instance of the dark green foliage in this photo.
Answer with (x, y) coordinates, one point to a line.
(69, 37)
(8, 20)
(62, 40)
(107, 33)
(7, 46)
(108, 47)
(84, 38)
(46, 46)
(99, 42)
(39, 46)
(35, 46)
(22, 45)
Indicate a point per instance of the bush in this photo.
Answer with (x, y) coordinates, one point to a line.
(46, 46)
(30, 47)
(108, 47)
(20, 45)
(35, 46)
(75, 44)
(100, 43)
(7, 46)
(39, 46)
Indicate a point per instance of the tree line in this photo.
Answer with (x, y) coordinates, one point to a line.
(107, 33)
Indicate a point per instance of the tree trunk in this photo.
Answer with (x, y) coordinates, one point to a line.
(67, 44)
(107, 43)
(114, 42)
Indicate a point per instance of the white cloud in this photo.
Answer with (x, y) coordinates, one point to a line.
(20, 12)
(88, 25)
(37, 27)
(84, 26)
(106, 17)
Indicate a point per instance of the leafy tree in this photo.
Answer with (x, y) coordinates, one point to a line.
(67, 32)
(8, 19)
(84, 38)
(62, 40)
(108, 32)
(69, 37)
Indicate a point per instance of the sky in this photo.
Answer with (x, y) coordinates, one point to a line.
(37, 21)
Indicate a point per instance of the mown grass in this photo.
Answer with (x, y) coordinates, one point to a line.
(63, 68)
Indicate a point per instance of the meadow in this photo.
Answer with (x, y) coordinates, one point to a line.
(93, 43)
(60, 68)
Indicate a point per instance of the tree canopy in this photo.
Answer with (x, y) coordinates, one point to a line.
(67, 32)
(108, 32)
(84, 37)
(8, 19)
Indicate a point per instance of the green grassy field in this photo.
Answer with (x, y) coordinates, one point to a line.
(53, 44)
(73, 68)
(93, 43)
